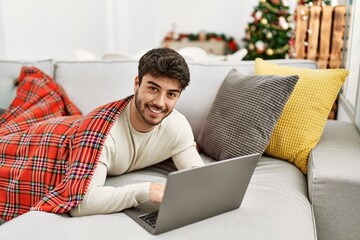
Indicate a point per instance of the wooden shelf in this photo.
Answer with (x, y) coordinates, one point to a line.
(212, 47)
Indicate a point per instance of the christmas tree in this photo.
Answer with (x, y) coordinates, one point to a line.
(269, 34)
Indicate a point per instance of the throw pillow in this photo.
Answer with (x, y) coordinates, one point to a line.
(301, 124)
(244, 114)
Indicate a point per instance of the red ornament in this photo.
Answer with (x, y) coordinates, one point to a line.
(276, 2)
(233, 46)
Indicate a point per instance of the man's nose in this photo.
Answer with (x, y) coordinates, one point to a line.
(160, 100)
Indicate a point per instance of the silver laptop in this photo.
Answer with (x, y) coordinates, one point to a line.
(195, 194)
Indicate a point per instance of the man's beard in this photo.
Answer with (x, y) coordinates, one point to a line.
(141, 111)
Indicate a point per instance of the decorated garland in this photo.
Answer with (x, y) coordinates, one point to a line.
(231, 45)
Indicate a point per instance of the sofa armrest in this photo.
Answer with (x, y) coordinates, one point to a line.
(334, 182)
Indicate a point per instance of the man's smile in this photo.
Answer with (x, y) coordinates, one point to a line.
(155, 109)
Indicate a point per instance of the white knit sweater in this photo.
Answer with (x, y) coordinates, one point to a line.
(126, 150)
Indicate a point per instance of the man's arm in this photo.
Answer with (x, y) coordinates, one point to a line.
(100, 199)
(185, 152)
(188, 158)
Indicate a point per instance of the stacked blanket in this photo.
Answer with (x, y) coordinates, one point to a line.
(48, 150)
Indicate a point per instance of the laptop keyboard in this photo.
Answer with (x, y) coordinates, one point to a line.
(150, 218)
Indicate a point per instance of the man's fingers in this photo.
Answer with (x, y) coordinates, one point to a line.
(156, 192)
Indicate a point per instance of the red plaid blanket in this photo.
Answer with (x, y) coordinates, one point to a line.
(47, 157)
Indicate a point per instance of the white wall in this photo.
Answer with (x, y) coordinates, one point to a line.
(2, 38)
(38, 29)
(35, 29)
(53, 29)
(155, 18)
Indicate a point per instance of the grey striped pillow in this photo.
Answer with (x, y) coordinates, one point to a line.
(244, 114)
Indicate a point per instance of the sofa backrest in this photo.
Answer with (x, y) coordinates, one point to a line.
(91, 84)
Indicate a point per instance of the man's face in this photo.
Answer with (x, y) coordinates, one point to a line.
(155, 98)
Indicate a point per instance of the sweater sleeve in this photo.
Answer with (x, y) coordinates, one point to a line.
(188, 158)
(101, 199)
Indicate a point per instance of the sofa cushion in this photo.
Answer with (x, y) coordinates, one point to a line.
(9, 72)
(334, 181)
(244, 114)
(303, 120)
(275, 207)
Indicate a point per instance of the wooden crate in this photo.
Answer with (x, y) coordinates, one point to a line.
(320, 34)
(320, 37)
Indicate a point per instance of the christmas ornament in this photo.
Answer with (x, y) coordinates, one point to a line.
(276, 2)
(258, 15)
(232, 45)
(269, 52)
(260, 46)
(269, 35)
(264, 21)
(283, 23)
(251, 47)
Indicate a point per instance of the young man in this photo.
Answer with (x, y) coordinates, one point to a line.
(147, 132)
(54, 159)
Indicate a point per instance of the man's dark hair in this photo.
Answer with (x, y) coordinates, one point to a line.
(164, 62)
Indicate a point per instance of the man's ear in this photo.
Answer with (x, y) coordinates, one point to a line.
(136, 83)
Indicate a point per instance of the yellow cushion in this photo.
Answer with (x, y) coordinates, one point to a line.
(302, 122)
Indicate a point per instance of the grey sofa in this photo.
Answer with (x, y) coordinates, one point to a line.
(280, 203)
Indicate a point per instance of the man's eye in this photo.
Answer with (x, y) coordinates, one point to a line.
(154, 89)
(172, 95)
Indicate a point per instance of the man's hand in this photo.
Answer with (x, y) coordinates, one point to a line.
(156, 192)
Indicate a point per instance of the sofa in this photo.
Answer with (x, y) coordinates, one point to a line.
(281, 201)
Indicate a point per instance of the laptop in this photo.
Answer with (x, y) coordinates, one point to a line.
(196, 194)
